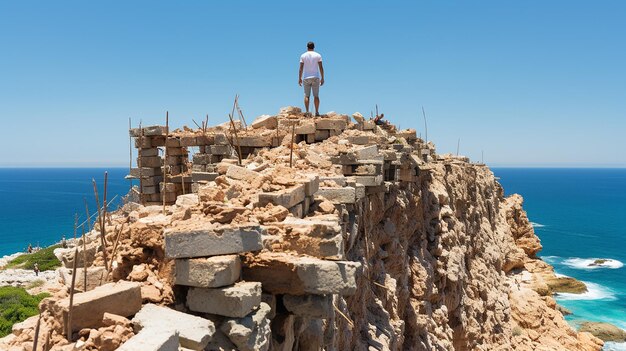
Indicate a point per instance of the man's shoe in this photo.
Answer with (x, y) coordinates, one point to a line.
(317, 114)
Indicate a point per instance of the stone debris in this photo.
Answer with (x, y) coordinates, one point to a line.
(232, 301)
(200, 239)
(122, 298)
(194, 332)
(281, 273)
(210, 272)
(353, 236)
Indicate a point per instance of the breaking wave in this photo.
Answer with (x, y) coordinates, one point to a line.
(592, 263)
(594, 292)
(614, 346)
(537, 225)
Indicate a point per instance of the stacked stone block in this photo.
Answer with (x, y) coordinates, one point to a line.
(149, 169)
(297, 199)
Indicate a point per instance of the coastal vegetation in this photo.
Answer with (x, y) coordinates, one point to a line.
(15, 306)
(45, 259)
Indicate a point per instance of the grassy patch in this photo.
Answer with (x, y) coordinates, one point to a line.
(15, 306)
(44, 258)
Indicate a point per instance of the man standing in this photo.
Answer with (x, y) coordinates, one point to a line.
(311, 66)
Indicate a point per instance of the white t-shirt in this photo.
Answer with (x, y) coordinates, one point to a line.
(311, 66)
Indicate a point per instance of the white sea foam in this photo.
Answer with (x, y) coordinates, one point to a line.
(550, 259)
(614, 346)
(588, 263)
(594, 292)
(537, 225)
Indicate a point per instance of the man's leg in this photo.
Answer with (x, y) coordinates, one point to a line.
(307, 93)
(316, 96)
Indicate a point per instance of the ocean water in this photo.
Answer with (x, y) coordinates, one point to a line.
(37, 206)
(580, 216)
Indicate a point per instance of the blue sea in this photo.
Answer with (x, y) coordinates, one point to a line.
(580, 216)
(38, 205)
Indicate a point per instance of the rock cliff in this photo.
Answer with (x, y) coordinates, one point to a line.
(320, 234)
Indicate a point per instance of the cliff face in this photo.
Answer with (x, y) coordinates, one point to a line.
(442, 270)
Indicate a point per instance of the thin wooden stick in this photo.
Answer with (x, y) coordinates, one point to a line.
(241, 117)
(293, 133)
(46, 346)
(88, 216)
(75, 226)
(84, 260)
(167, 132)
(117, 239)
(196, 123)
(69, 313)
(130, 153)
(102, 239)
(139, 164)
(206, 123)
(232, 123)
(343, 315)
(36, 340)
(104, 202)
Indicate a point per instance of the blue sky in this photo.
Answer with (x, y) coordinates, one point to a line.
(539, 83)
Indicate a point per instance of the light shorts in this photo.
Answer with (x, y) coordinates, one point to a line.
(309, 83)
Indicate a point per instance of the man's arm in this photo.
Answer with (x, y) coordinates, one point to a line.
(321, 72)
(300, 73)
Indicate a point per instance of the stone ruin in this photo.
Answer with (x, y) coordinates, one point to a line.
(251, 255)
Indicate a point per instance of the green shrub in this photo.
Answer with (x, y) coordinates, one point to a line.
(44, 258)
(15, 306)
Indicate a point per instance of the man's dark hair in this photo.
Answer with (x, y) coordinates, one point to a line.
(310, 45)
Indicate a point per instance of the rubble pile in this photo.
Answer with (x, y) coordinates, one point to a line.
(295, 233)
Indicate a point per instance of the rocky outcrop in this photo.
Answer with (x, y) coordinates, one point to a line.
(354, 237)
(604, 331)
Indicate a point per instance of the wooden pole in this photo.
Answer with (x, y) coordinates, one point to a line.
(104, 202)
(130, 153)
(232, 124)
(75, 226)
(88, 216)
(102, 232)
(46, 346)
(425, 125)
(84, 260)
(167, 132)
(293, 133)
(117, 239)
(69, 313)
(139, 165)
(36, 340)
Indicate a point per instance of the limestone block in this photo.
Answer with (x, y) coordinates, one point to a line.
(188, 140)
(305, 127)
(265, 121)
(311, 306)
(95, 277)
(153, 151)
(203, 176)
(271, 301)
(187, 200)
(368, 125)
(164, 339)
(146, 172)
(345, 195)
(233, 301)
(319, 236)
(369, 180)
(194, 332)
(251, 333)
(340, 181)
(287, 198)
(254, 141)
(198, 168)
(221, 139)
(321, 135)
(366, 153)
(311, 185)
(211, 272)
(198, 239)
(151, 161)
(330, 123)
(205, 139)
(122, 298)
(220, 149)
(281, 273)
(359, 139)
(242, 173)
(172, 142)
(297, 210)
